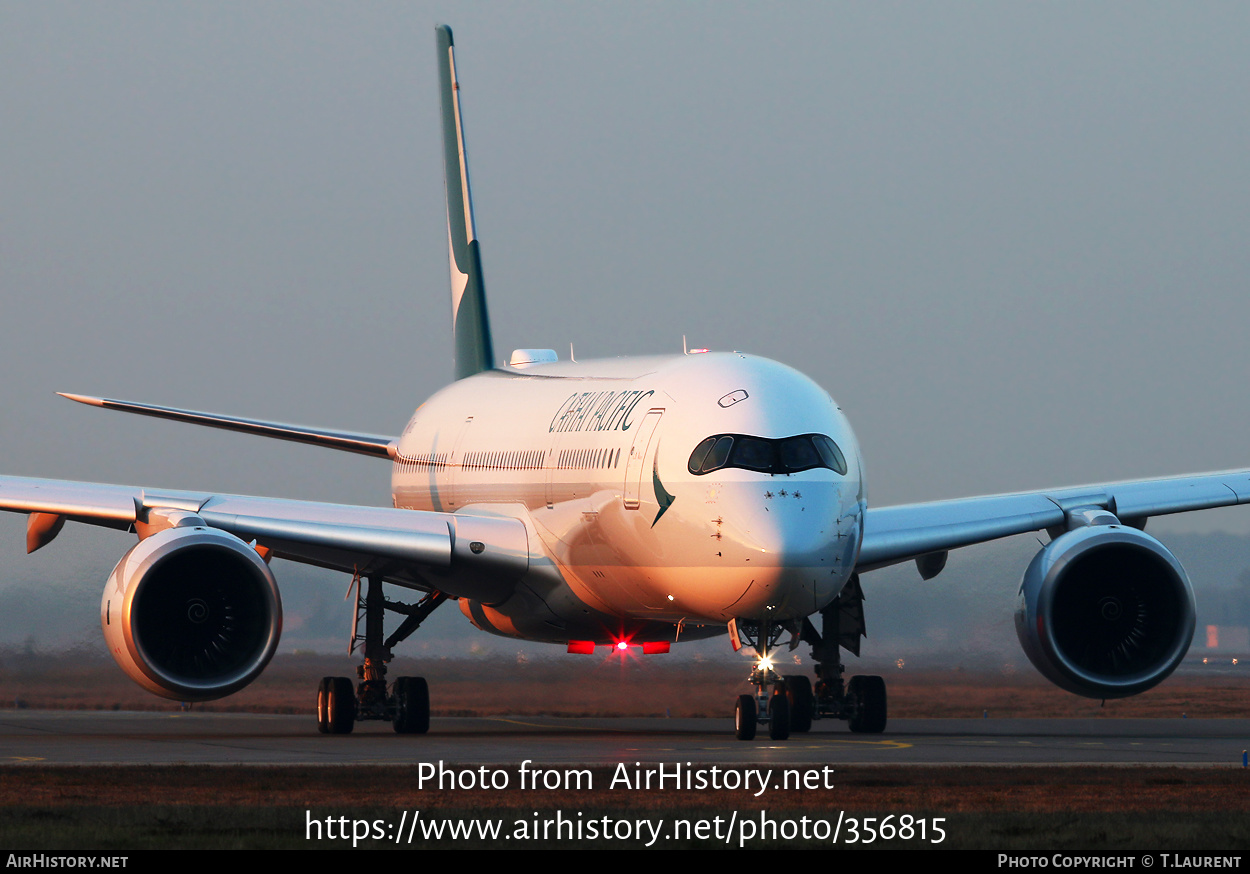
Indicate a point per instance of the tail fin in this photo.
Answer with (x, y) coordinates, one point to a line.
(469, 322)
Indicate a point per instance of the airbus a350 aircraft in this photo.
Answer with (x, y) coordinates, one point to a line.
(631, 502)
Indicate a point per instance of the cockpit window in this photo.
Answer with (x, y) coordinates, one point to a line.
(754, 453)
(830, 454)
(700, 453)
(782, 456)
(798, 453)
(719, 453)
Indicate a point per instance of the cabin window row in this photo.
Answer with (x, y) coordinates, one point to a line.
(568, 459)
(532, 460)
(424, 460)
(588, 459)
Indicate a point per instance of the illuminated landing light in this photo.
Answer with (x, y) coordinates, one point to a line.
(765, 663)
(670, 597)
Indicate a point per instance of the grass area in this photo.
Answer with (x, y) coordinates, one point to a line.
(610, 686)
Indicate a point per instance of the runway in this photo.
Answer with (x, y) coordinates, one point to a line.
(104, 737)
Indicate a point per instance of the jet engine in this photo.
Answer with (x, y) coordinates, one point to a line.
(1105, 611)
(192, 613)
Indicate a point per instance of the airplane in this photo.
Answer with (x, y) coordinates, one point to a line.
(633, 502)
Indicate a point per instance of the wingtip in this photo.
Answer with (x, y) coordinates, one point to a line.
(82, 399)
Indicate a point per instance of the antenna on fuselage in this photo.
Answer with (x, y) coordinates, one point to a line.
(470, 325)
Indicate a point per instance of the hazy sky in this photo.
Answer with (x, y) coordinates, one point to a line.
(1010, 239)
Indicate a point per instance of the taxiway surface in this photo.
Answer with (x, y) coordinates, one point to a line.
(95, 737)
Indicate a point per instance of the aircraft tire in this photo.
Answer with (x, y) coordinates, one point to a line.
(868, 693)
(745, 718)
(412, 706)
(779, 714)
(336, 706)
(799, 691)
(323, 705)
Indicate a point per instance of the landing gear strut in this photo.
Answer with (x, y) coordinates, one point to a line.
(862, 701)
(770, 705)
(406, 703)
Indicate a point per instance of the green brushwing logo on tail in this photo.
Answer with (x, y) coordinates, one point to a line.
(470, 323)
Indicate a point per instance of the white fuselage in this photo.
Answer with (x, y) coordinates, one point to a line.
(594, 456)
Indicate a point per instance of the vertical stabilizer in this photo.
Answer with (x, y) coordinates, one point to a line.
(469, 322)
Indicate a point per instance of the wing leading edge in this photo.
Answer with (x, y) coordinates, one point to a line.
(479, 557)
(900, 533)
(347, 441)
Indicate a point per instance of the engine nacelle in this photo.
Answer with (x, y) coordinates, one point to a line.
(1105, 611)
(192, 614)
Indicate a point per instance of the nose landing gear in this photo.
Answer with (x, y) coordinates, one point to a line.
(770, 705)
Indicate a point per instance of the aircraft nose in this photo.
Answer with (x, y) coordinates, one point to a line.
(785, 534)
(797, 541)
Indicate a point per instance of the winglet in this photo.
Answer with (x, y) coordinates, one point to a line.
(470, 324)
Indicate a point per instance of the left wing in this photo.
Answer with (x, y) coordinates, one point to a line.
(912, 531)
(347, 441)
(459, 554)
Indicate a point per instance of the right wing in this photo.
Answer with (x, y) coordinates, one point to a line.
(897, 534)
(480, 557)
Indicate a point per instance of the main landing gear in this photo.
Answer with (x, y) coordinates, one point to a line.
(406, 704)
(789, 704)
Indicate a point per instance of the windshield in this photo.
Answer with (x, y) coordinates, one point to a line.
(781, 456)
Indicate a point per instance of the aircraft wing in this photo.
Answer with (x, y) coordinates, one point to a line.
(908, 531)
(347, 441)
(458, 554)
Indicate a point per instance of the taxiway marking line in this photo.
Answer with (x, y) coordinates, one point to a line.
(557, 727)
